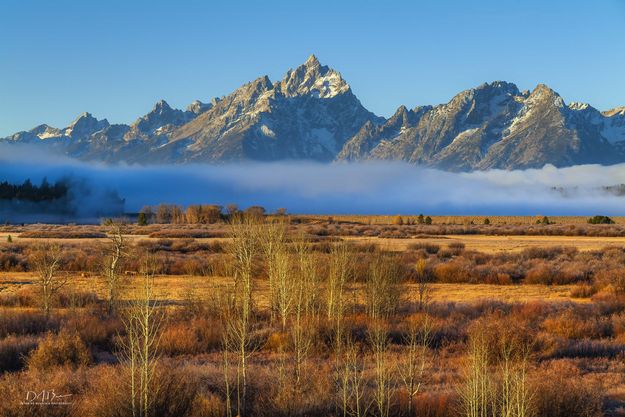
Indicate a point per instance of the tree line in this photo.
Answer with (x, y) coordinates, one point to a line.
(198, 213)
(27, 191)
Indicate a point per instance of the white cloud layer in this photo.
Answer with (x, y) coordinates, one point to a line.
(368, 188)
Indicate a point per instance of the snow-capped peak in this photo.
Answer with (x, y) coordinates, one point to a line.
(313, 79)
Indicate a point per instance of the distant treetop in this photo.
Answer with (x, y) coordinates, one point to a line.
(29, 192)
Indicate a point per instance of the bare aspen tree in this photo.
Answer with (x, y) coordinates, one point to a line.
(133, 365)
(382, 292)
(476, 392)
(275, 251)
(129, 354)
(304, 292)
(111, 262)
(340, 269)
(149, 325)
(522, 397)
(496, 375)
(283, 280)
(412, 370)
(238, 318)
(226, 346)
(46, 261)
(307, 272)
(339, 273)
(139, 347)
(505, 389)
(514, 399)
(381, 287)
(343, 378)
(352, 383)
(142, 323)
(379, 341)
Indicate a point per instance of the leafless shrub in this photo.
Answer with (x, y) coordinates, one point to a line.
(59, 350)
(561, 392)
(46, 261)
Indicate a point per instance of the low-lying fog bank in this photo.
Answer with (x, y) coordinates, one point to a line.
(306, 187)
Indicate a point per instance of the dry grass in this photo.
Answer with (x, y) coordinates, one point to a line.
(507, 293)
(579, 327)
(179, 289)
(494, 244)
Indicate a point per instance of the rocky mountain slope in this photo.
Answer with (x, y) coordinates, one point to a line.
(311, 113)
(494, 126)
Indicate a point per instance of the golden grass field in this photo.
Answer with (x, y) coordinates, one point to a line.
(481, 243)
(176, 289)
(493, 244)
(576, 320)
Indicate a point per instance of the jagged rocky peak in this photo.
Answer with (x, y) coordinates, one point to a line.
(486, 91)
(261, 84)
(312, 78)
(405, 117)
(40, 129)
(84, 118)
(478, 105)
(495, 92)
(542, 92)
(402, 112)
(161, 114)
(85, 125)
(617, 111)
(45, 131)
(483, 97)
(161, 107)
(585, 110)
(197, 107)
(248, 97)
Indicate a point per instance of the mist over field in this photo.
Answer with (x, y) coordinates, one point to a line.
(305, 187)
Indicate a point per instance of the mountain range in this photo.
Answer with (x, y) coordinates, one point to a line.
(312, 114)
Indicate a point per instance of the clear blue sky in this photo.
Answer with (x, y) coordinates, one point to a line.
(116, 58)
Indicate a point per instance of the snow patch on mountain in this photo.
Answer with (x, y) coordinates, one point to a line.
(267, 131)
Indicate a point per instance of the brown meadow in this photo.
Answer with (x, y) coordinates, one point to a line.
(316, 317)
